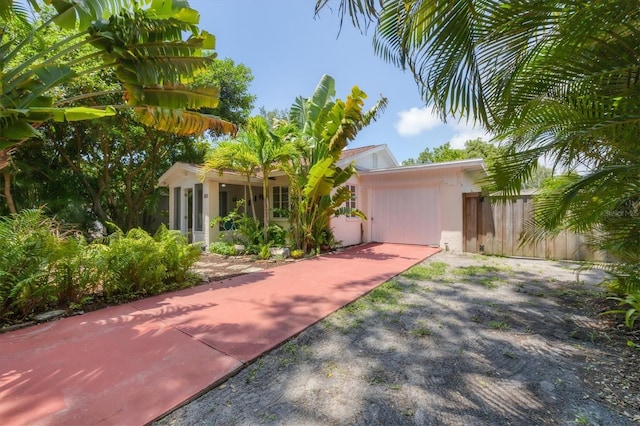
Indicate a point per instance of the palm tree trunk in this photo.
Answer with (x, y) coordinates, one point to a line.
(251, 200)
(265, 194)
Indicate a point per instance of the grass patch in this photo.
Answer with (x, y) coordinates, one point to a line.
(499, 325)
(294, 353)
(253, 372)
(387, 293)
(486, 275)
(430, 271)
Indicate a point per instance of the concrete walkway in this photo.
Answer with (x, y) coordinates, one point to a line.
(130, 364)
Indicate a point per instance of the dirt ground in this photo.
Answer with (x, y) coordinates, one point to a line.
(460, 339)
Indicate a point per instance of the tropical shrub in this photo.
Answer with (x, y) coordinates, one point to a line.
(31, 242)
(43, 266)
(78, 273)
(246, 231)
(277, 235)
(632, 313)
(265, 252)
(176, 255)
(297, 254)
(317, 190)
(138, 264)
(626, 278)
(223, 248)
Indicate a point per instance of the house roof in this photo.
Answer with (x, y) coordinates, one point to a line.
(472, 165)
(347, 153)
(355, 154)
(196, 169)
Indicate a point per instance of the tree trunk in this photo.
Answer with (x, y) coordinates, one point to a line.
(6, 174)
(265, 194)
(252, 201)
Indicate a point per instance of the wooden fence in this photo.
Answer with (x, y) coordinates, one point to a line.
(496, 228)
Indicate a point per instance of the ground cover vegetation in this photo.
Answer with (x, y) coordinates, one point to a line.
(552, 80)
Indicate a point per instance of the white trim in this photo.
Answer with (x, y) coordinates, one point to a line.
(473, 164)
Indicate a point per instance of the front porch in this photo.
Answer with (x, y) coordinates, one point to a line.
(194, 203)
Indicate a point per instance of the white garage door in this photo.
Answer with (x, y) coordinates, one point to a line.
(407, 215)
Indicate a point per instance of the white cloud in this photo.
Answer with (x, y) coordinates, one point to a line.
(414, 121)
(465, 131)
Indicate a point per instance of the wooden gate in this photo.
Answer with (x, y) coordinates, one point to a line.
(496, 228)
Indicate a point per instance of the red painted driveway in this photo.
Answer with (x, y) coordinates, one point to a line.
(131, 364)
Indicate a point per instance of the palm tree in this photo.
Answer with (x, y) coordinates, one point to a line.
(258, 149)
(232, 154)
(558, 81)
(143, 45)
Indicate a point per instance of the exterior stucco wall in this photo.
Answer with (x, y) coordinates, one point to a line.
(451, 183)
(348, 230)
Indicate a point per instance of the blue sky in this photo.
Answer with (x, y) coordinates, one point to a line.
(288, 50)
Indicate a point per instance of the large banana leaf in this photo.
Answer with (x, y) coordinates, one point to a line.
(174, 9)
(80, 14)
(320, 180)
(183, 122)
(179, 96)
(40, 114)
(142, 41)
(16, 124)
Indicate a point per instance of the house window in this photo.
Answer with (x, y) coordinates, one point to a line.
(198, 201)
(280, 200)
(177, 203)
(351, 204)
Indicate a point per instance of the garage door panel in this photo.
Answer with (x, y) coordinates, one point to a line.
(408, 215)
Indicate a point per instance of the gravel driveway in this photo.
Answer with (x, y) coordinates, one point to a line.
(459, 339)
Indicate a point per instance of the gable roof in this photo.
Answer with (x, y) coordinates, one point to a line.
(347, 153)
(360, 153)
(180, 168)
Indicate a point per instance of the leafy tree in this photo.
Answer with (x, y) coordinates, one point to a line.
(325, 127)
(233, 79)
(105, 171)
(142, 43)
(439, 154)
(553, 80)
(473, 148)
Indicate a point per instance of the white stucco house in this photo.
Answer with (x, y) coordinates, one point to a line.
(419, 204)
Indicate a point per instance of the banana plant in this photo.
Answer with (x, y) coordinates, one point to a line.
(140, 41)
(316, 182)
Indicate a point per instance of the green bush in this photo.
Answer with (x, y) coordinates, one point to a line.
(223, 248)
(78, 273)
(177, 256)
(626, 278)
(30, 243)
(42, 266)
(277, 235)
(265, 252)
(631, 312)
